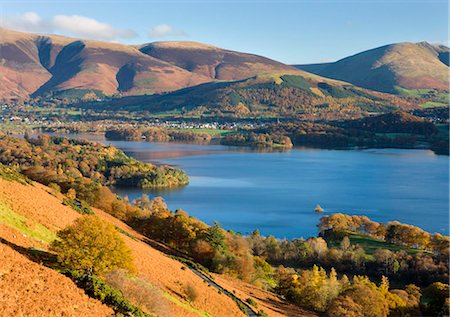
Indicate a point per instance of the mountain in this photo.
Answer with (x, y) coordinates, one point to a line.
(396, 68)
(40, 65)
(213, 62)
(311, 97)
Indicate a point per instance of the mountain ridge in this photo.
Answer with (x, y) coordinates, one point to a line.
(40, 65)
(391, 68)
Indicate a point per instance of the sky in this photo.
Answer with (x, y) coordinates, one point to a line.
(290, 31)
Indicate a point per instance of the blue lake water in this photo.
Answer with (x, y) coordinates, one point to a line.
(277, 192)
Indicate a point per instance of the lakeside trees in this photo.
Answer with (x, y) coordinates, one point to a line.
(63, 162)
(393, 232)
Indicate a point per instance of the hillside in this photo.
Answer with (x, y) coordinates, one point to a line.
(43, 65)
(266, 95)
(395, 122)
(391, 68)
(213, 62)
(31, 213)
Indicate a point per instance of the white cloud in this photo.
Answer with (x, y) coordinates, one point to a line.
(165, 30)
(28, 22)
(88, 27)
(75, 25)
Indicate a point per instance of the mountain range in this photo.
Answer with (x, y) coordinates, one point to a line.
(34, 65)
(57, 66)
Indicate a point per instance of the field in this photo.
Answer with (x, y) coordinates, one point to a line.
(212, 132)
(431, 104)
(370, 244)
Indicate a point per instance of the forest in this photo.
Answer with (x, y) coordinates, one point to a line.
(62, 161)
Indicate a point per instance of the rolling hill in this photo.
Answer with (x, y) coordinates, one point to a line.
(396, 68)
(311, 97)
(41, 65)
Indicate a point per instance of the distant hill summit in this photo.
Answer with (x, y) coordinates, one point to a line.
(48, 64)
(213, 62)
(42, 65)
(392, 68)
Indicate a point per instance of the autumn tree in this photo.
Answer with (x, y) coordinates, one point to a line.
(435, 299)
(93, 246)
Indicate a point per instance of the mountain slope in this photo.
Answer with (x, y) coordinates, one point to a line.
(30, 289)
(37, 65)
(213, 62)
(31, 214)
(42, 65)
(265, 95)
(39, 211)
(391, 68)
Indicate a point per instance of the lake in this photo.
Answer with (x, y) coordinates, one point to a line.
(277, 192)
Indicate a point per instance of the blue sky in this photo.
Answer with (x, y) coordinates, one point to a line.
(288, 31)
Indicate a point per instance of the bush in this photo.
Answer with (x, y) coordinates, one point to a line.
(95, 287)
(252, 302)
(78, 205)
(191, 293)
(141, 293)
(93, 246)
(262, 313)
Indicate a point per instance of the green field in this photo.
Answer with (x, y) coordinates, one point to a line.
(212, 132)
(431, 104)
(370, 244)
(24, 225)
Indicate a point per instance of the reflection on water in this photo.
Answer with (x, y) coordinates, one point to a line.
(277, 191)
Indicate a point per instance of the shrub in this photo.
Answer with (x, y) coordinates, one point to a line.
(252, 302)
(78, 205)
(95, 287)
(262, 313)
(54, 187)
(139, 292)
(93, 246)
(191, 293)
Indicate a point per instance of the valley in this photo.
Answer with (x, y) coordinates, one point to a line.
(147, 173)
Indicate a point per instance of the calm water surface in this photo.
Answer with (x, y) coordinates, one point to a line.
(277, 192)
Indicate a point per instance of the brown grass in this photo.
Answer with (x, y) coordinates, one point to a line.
(30, 289)
(271, 303)
(166, 274)
(162, 276)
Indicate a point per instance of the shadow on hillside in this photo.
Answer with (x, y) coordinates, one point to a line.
(38, 256)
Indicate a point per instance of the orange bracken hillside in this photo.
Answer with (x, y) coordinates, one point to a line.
(30, 289)
(30, 215)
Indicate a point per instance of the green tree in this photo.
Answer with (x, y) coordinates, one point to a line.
(434, 299)
(93, 246)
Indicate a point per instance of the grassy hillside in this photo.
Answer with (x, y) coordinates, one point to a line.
(392, 68)
(51, 65)
(30, 215)
(212, 61)
(265, 95)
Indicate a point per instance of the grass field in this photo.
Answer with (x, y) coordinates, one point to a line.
(431, 104)
(370, 244)
(213, 132)
(24, 225)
